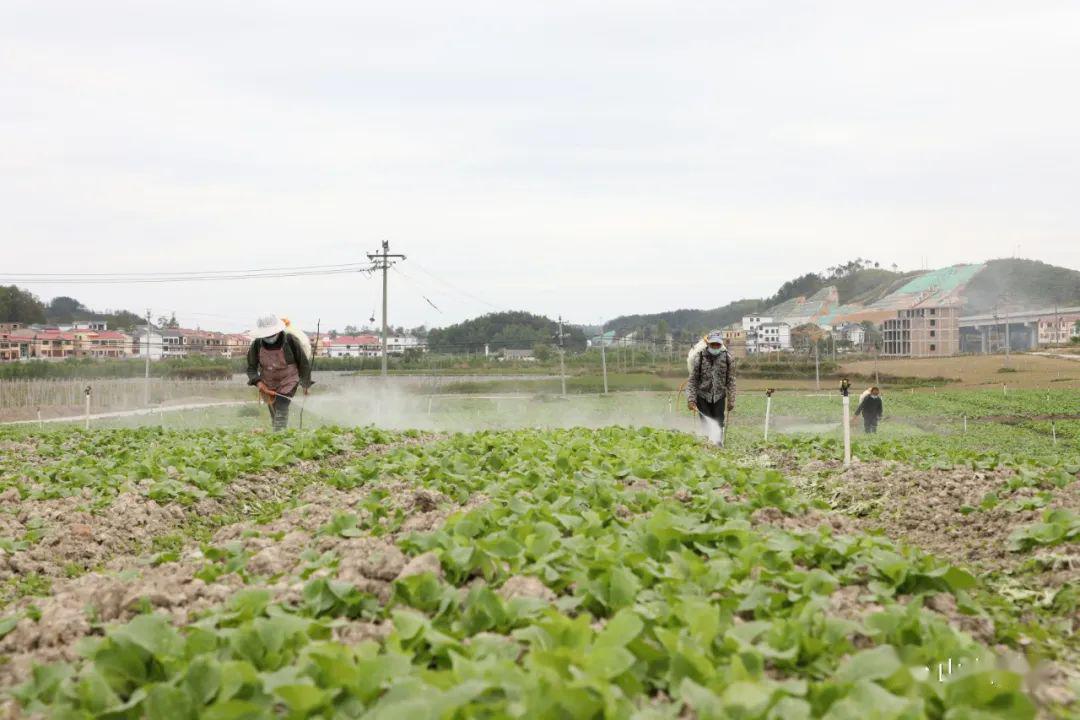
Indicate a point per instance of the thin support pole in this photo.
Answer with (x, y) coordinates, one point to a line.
(768, 413)
(847, 431)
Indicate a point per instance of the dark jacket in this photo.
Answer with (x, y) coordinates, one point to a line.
(870, 407)
(294, 355)
(712, 377)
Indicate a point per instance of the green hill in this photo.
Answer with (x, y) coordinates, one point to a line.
(1022, 284)
(516, 330)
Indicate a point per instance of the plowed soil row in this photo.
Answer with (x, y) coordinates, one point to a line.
(270, 554)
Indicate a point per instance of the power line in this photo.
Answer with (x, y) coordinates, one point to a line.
(415, 286)
(453, 287)
(184, 272)
(209, 275)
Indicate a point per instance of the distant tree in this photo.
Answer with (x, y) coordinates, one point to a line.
(64, 309)
(350, 330)
(873, 333)
(662, 329)
(20, 306)
(542, 352)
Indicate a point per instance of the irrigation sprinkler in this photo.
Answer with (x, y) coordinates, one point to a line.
(768, 411)
(845, 388)
(1053, 431)
(87, 391)
(965, 424)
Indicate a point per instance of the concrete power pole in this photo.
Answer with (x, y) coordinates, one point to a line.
(383, 261)
(562, 359)
(146, 379)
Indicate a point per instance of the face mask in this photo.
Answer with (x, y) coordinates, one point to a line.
(715, 351)
(271, 340)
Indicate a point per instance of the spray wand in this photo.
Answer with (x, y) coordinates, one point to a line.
(314, 354)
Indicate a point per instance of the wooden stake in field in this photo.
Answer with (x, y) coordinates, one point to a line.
(87, 391)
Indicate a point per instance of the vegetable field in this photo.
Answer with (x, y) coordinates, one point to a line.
(613, 572)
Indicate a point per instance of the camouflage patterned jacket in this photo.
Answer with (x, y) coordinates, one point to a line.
(712, 377)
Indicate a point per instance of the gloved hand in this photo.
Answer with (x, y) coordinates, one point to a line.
(730, 405)
(268, 395)
(691, 406)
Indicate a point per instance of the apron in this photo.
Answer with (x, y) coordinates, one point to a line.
(278, 375)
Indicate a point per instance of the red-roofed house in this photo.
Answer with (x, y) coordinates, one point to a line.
(353, 346)
(105, 344)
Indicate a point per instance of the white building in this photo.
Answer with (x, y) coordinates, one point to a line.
(853, 333)
(751, 323)
(400, 343)
(773, 336)
(140, 349)
(354, 346)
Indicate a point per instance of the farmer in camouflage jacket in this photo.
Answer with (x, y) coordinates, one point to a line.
(710, 390)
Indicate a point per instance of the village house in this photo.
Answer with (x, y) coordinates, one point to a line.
(354, 346)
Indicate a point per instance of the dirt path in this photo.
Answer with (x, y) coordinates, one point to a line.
(131, 413)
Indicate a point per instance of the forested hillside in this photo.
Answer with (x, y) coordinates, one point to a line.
(517, 330)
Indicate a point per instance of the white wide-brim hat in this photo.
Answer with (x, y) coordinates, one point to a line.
(266, 326)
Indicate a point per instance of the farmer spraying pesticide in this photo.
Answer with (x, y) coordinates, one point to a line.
(710, 389)
(278, 362)
(871, 409)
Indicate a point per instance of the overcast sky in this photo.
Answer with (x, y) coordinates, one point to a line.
(584, 158)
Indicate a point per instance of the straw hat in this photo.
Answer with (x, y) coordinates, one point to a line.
(266, 326)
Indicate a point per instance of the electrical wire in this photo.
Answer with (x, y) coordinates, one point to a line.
(416, 287)
(453, 287)
(213, 275)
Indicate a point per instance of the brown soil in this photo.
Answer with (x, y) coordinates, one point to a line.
(124, 581)
(1032, 371)
(923, 508)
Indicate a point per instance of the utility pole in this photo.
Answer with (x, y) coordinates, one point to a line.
(562, 361)
(146, 380)
(817, 368)
(1008, 341)
(603, 361)
(383, 261)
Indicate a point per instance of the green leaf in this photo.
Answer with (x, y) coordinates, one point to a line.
(8, 624)
(624, 587)
(303, 699)
(746, 699)
(620, 630)
(203, 679)
(153, 633)
(608, 662)
(874, 664)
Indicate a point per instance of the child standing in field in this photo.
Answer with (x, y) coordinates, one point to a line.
(870, 407)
